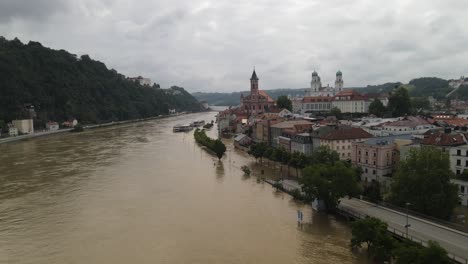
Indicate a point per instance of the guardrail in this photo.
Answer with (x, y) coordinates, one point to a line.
(399, 233)
(456, 226)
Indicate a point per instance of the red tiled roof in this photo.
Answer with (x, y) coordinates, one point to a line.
(443, 139)
(313, 99)
(263, 93)
(453, 121)
(353, 95)
(346, 133)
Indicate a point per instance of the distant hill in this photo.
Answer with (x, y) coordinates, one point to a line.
(232, 99)
(419, 87)
(61, 86)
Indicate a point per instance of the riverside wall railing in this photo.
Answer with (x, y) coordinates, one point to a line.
(453, 225)
(398, 233)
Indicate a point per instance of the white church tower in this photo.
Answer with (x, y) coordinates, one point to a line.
(339, 82)
(315, 85)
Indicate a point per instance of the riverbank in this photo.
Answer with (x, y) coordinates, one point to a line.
(60, 131)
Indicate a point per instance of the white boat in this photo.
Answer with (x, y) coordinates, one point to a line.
(197, 123)
(182, 128)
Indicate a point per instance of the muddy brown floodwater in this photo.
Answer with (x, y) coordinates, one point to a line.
(140, 193)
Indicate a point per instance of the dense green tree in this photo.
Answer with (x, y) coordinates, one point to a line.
(298, 161)
(423, 180)
(412, 253)
(258, 150)
(215, 145)
(62, 86)
(430, 86)
(324, 155)
(284, 102)
(399, 103)
(420, 103)
(372, 192)
(329, 183)
(373, 233)
(335, 111)
(219, 148)
(3, 127)
(377, 108)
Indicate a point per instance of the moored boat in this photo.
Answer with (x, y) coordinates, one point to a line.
(182, 128)
(209, 125)
(197, 123)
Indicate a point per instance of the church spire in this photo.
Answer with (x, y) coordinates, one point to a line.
(254, 82)
(254, 75)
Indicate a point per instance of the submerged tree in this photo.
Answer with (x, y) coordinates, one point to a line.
(329, 183)
(373, 233)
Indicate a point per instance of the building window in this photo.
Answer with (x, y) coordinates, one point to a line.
(462, 189)
(375, 154)
(367, 153)
(458, 162)
(366, 161)
(373, 172)
(467, 153)
(337, 147)
(359, 160)
(374, 162)
(458, 172)
(365, 170)
(458, 152)
(359, 152)
(466, 163)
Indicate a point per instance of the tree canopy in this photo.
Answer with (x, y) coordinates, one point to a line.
(284, 102)
(377, 108)
(335, 111)
(329, 183)
(215, 145)
(62, 85)
(411, 253)
(430, 86)
(399, 103)
(373, 233)
(423, 180)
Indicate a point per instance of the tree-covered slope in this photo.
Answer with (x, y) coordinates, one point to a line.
(61, 86)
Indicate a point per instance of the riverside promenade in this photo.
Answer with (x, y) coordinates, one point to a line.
(421, 230)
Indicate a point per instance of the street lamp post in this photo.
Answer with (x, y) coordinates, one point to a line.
(407, 219)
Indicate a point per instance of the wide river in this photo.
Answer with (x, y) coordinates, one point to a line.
(139, 193)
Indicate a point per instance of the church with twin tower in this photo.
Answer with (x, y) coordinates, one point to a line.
(316, 88)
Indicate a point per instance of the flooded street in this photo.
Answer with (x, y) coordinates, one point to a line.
(139, 193)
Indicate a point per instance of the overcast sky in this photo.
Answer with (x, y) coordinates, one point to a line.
(213, 45)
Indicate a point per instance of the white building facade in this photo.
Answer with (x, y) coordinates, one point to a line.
(351, 101)
(24, 126)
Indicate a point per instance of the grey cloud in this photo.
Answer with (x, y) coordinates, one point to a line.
(30, 10)
(213, 45)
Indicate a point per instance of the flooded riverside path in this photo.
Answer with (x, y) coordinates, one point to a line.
(139, 193)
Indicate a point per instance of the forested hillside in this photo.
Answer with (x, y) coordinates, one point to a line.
(61, 86)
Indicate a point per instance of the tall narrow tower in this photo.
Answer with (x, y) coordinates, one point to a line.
(339, 81)
(315, 85)
(254, 83)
